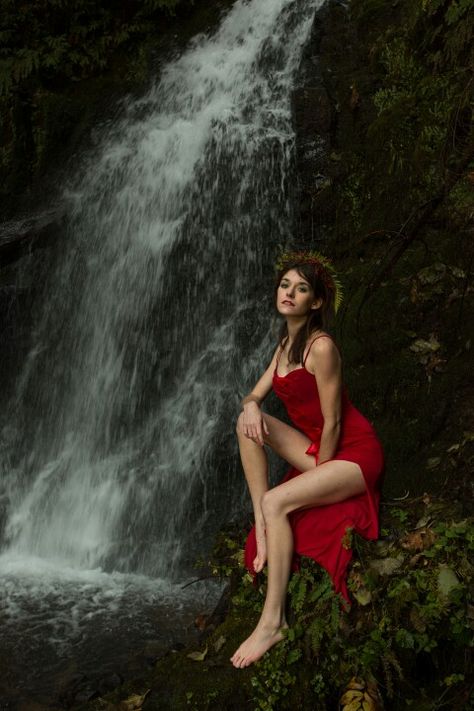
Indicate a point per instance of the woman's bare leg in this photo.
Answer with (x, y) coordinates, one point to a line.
(272, 622)
(287, 442)
(330, 482)
(255, 466)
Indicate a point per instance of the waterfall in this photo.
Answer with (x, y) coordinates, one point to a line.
(120, 452)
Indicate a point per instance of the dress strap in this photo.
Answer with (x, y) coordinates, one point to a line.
(321, 335)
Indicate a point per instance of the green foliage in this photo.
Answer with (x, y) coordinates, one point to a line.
(53, 41)
(421, 56)
(59, 59)
(419, 609)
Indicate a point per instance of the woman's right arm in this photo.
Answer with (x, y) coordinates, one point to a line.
(252, 422)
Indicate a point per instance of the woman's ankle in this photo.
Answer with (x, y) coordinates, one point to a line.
(273, 621)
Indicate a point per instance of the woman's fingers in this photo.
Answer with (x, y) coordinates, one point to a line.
(256, 431)
(254, 434)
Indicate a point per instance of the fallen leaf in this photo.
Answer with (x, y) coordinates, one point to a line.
(434, 364)
(346, 541)
(355, 98)
(383, 548)
(360, 696)
(219, 643)
(198, 656)
(433, 462)
(447, 580)
(432, 274)
(414, 297)
(351, 695)
(368, 705)
(363, 596)
(418, 540)
(352, 706)
(421, 345)
(201, 622)
(417, 620)
(454, 448)
(386, 566)
(423, 521)
(134, 702)
(356, 579)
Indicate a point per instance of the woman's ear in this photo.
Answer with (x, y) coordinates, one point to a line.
(317, 303)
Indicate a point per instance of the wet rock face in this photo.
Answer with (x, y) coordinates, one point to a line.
(81, 689)
(406, 346)
(316, 113)
(26, 256)
(21, 237)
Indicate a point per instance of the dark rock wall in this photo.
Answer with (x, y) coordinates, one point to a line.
(319, 118)
(401, 238)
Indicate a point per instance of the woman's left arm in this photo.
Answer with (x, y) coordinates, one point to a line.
(324, 361)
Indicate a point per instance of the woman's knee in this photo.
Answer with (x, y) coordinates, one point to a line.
(272, 504)
(239, 425)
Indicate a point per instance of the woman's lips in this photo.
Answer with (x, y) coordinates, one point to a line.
(286, 301)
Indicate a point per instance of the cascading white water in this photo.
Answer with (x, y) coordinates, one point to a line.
(157, 318)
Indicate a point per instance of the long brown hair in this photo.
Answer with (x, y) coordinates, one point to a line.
(317, 318)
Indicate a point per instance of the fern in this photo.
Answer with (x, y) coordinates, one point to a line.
(26, 62)
(6, 76)
(316, 633)
(335, 614)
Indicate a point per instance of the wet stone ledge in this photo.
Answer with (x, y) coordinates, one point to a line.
(23, 236)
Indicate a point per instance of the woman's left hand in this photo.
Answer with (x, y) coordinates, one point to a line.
(252, 423)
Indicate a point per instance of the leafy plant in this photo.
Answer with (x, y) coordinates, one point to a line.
(416, 608)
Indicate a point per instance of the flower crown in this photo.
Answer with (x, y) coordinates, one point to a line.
(322, 266)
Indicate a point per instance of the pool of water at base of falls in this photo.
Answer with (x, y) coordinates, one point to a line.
(68, 633)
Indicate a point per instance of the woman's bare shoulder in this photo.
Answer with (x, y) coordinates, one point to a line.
(321, 341)
(322, 347)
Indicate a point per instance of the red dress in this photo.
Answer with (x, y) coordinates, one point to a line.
(319, 532)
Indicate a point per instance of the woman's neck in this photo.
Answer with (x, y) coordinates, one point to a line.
(293, 326)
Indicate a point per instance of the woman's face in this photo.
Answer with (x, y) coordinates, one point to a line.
(295, 296)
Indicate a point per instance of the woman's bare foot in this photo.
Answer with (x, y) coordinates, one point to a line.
(261, 557)
(260, 641)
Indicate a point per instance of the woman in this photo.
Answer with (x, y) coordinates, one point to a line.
(336, 459)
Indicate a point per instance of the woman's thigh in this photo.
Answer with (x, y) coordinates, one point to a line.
(329, 483)
(289, 443)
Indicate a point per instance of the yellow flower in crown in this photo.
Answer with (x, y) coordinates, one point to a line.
(322, 265)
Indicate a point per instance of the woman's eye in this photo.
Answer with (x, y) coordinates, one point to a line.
(303, 289)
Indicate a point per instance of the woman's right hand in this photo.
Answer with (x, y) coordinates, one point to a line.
(252, 423)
